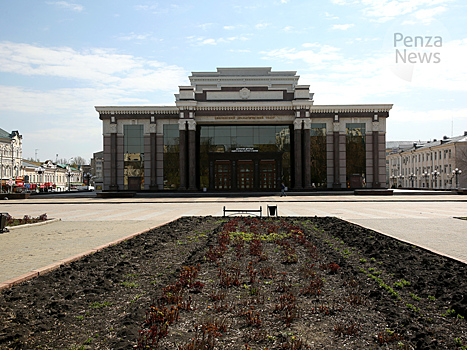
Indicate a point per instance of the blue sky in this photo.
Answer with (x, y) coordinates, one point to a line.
(59, 59)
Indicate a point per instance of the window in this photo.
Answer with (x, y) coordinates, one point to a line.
(171, 158)
(133, 153)
(355, 148)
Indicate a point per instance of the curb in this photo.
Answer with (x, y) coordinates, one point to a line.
(43, 270)
(32, 225)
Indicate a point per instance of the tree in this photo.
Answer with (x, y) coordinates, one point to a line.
(79, 161)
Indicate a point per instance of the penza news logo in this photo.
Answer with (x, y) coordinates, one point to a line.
(417, 49)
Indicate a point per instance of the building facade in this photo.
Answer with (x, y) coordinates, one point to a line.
(439, 164)
(48, 176)
(244, 129)
(97, 168)
(11, 154)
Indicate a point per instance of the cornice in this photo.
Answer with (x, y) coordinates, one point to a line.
(137, 109)
(243, 106)
(350, 108)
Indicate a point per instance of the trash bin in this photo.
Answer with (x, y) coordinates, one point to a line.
(272, 210)
(3, 217)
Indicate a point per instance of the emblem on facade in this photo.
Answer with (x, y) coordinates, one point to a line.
(245, 93)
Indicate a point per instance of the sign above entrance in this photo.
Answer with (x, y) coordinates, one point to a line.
(244, 149)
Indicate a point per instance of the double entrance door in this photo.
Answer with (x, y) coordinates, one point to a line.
(245, 174)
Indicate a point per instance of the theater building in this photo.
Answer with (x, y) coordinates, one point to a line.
(244, 129)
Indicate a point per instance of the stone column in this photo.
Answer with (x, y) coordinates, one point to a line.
(307, 153)
(298, 153)
(153, 154)
(191, 154)
(375, 140)
(113, 156)
(182, 149)
(335, 149)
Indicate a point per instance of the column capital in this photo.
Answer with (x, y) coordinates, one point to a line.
(336, 127)
(297, 123)
(191, 124)
(307, 124)
(375, 126)
(182, 125)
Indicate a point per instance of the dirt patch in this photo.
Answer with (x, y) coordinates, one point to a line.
(244, 283)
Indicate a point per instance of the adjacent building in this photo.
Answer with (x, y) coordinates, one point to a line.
(244, 129)
(11, 154)
(97, 168)
(437, 164)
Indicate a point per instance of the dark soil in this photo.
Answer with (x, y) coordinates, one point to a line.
(243, 283)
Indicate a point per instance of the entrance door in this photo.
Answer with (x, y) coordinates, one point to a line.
(134, 183)
(268, 174)
(245, 175)
(222, 175)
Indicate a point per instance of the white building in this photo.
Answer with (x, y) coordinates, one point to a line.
(11, 153)
(439, 164)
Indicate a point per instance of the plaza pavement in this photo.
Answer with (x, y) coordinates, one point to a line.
(87, 222)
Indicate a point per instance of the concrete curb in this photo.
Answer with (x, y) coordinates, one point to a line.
(408, 242)
(34, 224)
(43, 270)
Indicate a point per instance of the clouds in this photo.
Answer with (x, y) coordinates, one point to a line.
(342, 26)
(66, 5)
(97, 67)
(386, 10)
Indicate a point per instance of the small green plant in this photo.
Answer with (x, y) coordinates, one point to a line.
(414, 297)
(100, 305)
(363, 261)
(431, 298)
(130, 284)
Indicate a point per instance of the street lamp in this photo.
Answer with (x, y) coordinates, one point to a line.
(2, 149)
(68, 173)
(39, 172)
(434, 176)
(426, 176)
(457, 172)
(412, 177)
(393, 178)
(87, 179)
(401, 177)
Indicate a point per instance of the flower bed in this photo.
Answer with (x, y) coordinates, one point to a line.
(27, 219)
(244, 283)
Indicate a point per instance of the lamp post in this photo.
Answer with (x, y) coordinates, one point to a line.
(87, 179)
(412, 177)
(434, 176)
(39, 172)
(393, 178)
(2, 149)
(68, 173)
(426, 176)
(401, 177)
(457, 172)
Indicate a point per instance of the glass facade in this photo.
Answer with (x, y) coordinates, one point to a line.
(171, 157)
(236, 141)
(133, 153)
(318, 155)
(355, 154)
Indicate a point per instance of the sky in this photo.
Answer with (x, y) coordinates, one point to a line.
(59, 59)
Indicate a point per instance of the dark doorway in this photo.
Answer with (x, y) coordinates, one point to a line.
(222, 175)
(246, 175)
(134, 183)
(268, 177)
